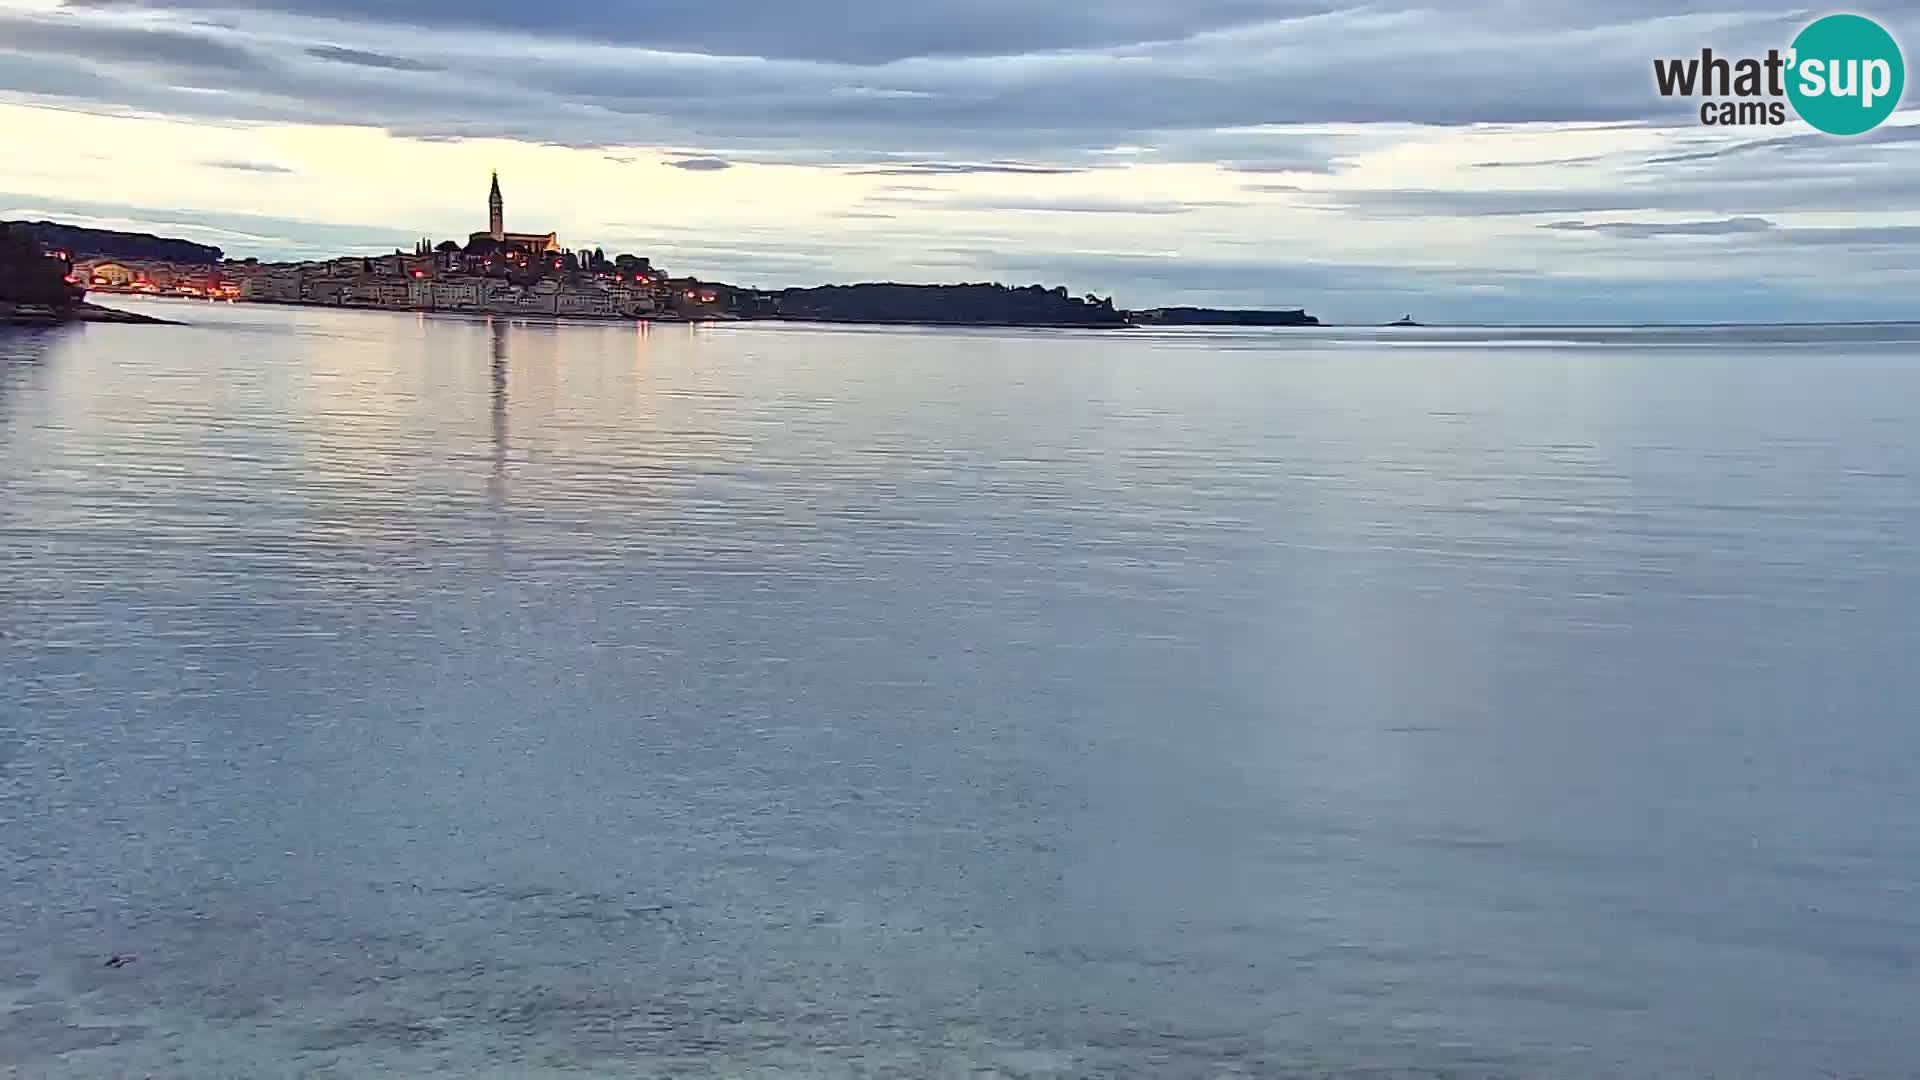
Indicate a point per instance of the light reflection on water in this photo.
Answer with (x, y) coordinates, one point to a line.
(434, 696)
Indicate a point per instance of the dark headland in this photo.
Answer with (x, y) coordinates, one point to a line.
(79, 240)
(37, 287)
(1196, 316)
(992, 305)
(939, 305)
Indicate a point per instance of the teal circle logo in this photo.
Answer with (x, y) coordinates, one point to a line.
(1845, 74)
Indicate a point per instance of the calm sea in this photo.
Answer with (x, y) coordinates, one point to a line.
(408, 696)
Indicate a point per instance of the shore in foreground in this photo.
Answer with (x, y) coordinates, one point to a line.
(45, 315)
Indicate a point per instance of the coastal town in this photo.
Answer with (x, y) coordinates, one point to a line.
(493, 271)
(497, 272)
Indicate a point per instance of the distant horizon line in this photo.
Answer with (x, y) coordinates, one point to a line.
(1305, 329)
(1322, 324)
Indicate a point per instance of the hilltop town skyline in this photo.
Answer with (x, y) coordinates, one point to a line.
(501, 271)
(494, 271)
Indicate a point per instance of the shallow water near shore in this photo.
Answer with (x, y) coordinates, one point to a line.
(416, 696)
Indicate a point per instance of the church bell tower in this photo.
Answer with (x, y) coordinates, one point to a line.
(496, 212)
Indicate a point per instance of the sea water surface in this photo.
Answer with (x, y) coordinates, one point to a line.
(411, 696)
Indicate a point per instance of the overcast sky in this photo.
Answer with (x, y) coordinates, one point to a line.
(1485, 160)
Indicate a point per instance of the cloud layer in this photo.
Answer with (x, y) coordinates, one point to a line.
(980, 79)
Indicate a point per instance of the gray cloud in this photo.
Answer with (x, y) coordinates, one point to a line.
(1867, 236)
(1013, 86)
(861, 32)
(363, 58)
(102, 40)
(958, 168)
(1742, 188)
(55, 77)
(1018, 204)
(701, 164)
(1440, 202)
(1585, 159)
(1295, 165)
(1756, 228)
(1823, 144)
(247, 166)
(1636, 230)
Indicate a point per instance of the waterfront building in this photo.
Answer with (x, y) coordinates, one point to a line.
(107, 273)
(461, 294)
(521, 300)
(583, 300)
(199, 281)
(276, 286)
(504, 300)
(634, 299)
(449, 294)
(323, 289)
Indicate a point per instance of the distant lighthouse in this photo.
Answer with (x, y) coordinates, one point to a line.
(496, 212)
